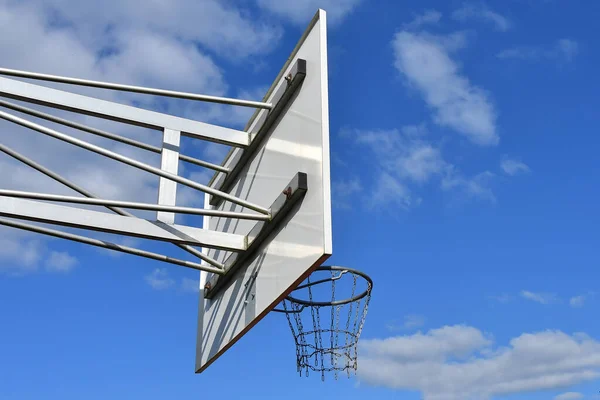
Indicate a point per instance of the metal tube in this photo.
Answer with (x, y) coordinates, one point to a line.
(135, 89)
(108, 245)
(55, 176)
(132, 162)
(84, 192)
(130, 204)
(108, 135)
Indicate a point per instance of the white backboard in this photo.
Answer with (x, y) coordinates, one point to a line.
(297, 143)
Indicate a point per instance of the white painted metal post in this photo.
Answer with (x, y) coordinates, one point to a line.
(167, 189)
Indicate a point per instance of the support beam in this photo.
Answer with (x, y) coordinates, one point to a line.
(135, 89)
(91, 196)
(114, 204)
(108, 135)
(129, 161)
(120, 112)
(281, 209)
(242, 159)
(109, 223)
(167, 189)
(109, 245)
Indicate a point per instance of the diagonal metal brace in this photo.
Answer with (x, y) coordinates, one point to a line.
(282, 99)
(281, 208)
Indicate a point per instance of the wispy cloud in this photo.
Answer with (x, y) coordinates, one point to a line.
(580, 300)
(569, 396)
(482, 13)
(345, 191)
(300, 12)
(405, 152)
(577, 301)
(476, 187)
(403, 158)
(514, 167)
(159, 279)
(406, 160)
(190, 285)
(563, 50)
(20, 252)
(410, 322)
(426, 64)
(460, 362)
(568, 48)
(542, 298)
(390, 191)
(60, 261)
(503, 298)
(176, 51)
(429, 17)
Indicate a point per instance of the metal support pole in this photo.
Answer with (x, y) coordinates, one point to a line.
(132, 162)
(79, 189)
(108, 135)
(114, 204)
(135, 89)
(85, 105)
(110, 246)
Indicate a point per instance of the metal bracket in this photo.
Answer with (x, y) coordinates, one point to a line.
(283, 205)
(281, 100)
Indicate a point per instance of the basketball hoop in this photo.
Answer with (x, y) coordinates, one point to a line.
(329, 345)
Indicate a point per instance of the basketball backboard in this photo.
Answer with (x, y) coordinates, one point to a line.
(286, 165)
(267, 210)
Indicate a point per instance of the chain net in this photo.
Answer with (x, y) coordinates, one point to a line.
(326, 329)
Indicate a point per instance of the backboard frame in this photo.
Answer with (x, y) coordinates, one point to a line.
(224, 302)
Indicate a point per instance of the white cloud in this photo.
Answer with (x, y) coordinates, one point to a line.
(404, 153)
(429, 17)
(461, 362)
(503, 298)
(405, 161)
(569, 396)
(159, 279)
(482, 13)
(413, 321)
(217, 25)
(60, 261)
(437, 344)
(568, 48)
(425, 62)
(401, 158)
(190, 285)
(421, 163)
(563, 50)
(542, 298)
(20, 252)
(300, 12)
(128, 45)
(513, 167)
(577, 301)
(344, 191)
(410, 322)
(389, 191)
(477, 187)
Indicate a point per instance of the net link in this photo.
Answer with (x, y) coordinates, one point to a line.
(322, 344)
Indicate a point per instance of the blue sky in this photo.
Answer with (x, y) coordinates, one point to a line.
(464, 178)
